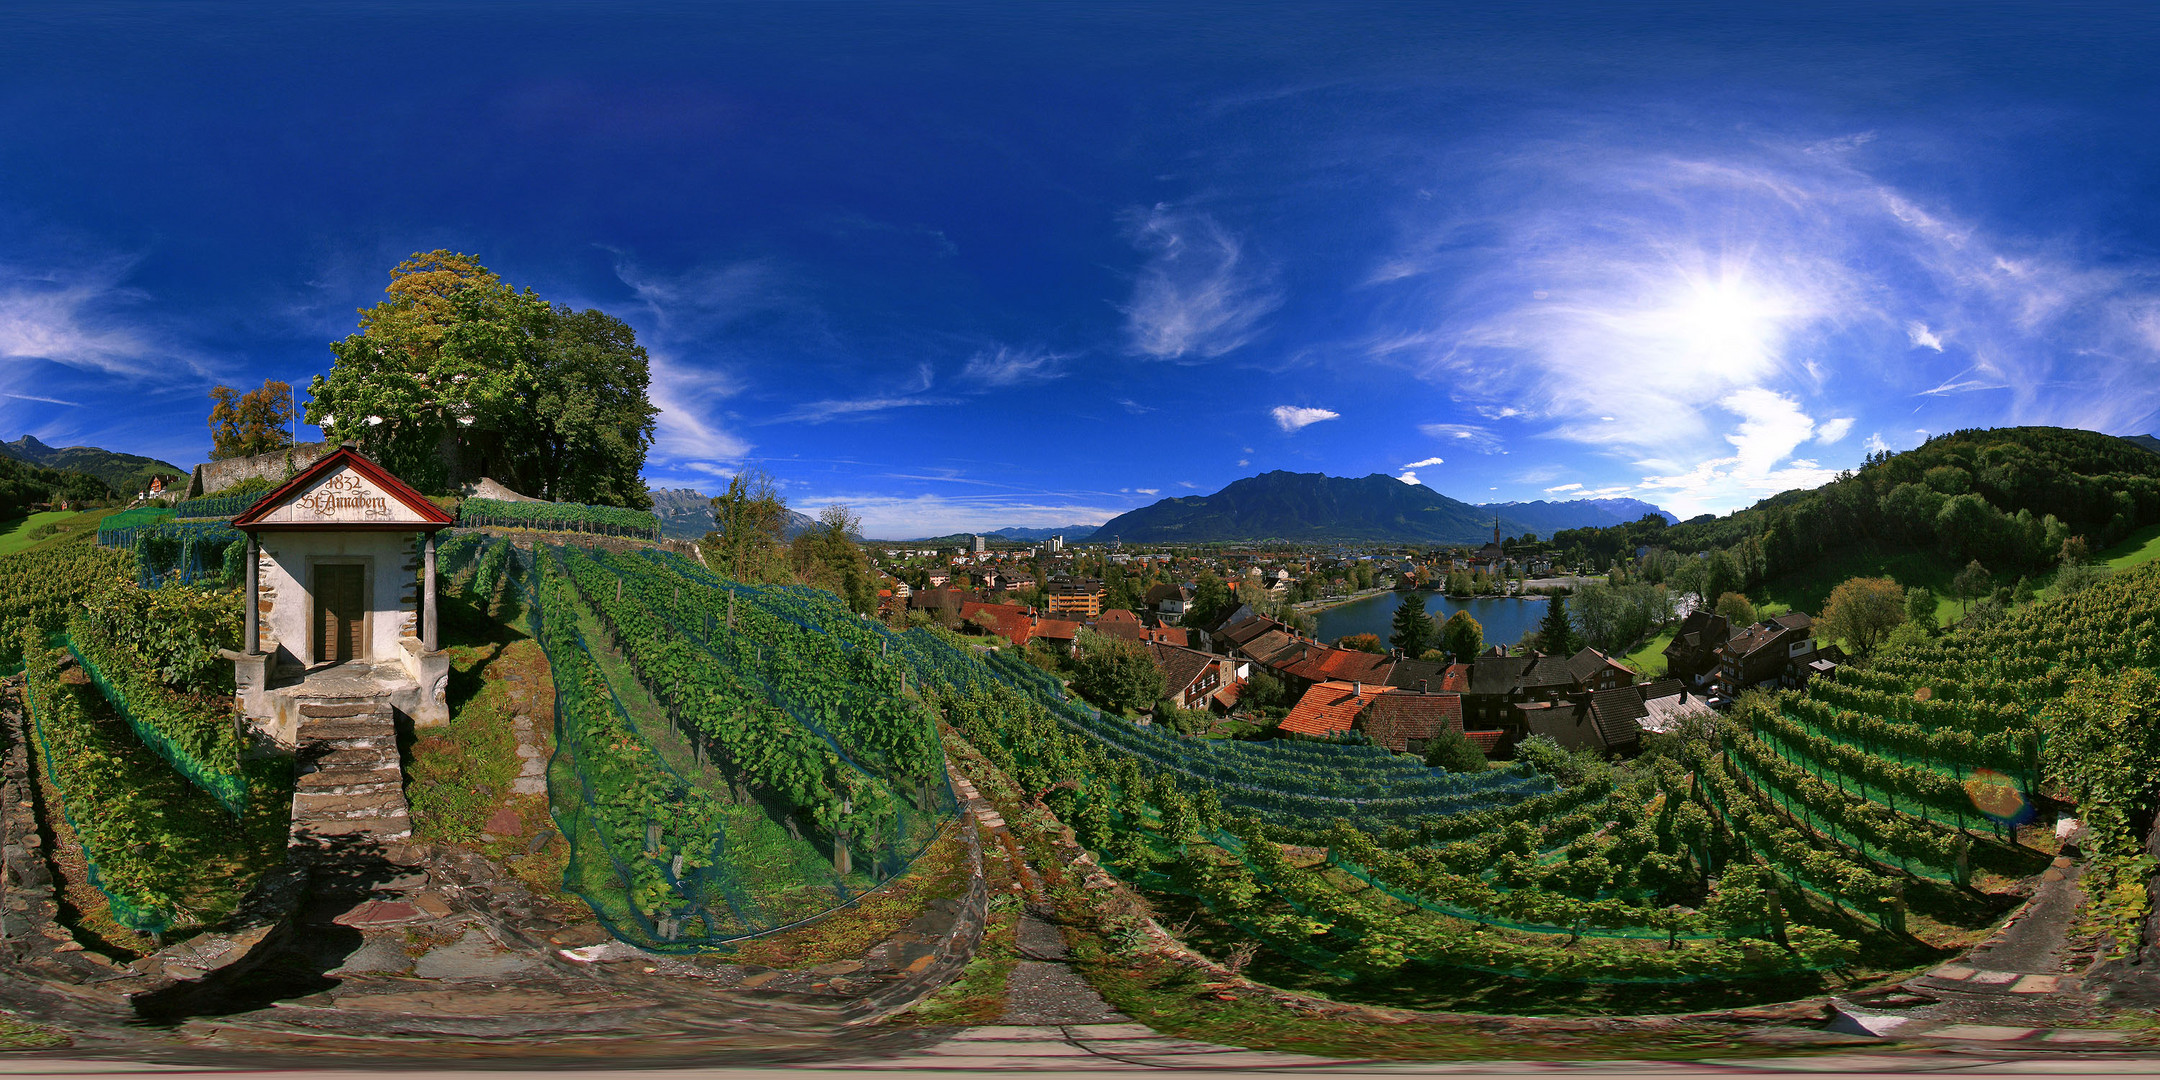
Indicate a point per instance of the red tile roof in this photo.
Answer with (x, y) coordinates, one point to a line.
(1009, 621)
(1119, 623)
(1396, 717)
(1328, 709)
(1057, 629)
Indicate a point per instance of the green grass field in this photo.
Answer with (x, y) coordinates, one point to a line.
(18, 538)
(2143, 546)
(1649, 657)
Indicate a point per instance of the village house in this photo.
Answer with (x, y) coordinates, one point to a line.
(1195, 679)
(1778, 651)
(1692, 655)
(1169, 601)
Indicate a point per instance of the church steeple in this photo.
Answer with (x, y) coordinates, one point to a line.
(1496, 530)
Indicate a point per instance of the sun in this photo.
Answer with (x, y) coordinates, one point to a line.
(1723, 320)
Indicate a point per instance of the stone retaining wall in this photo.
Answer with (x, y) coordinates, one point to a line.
(277, 467)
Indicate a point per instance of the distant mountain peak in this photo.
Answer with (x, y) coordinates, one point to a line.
(127, 473)
(1309, 508)
(1546, 517)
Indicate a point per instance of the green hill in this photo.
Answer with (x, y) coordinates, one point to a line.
(127, 473)
(23, 485)
(2005, 497)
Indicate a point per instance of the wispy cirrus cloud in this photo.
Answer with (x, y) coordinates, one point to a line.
(1293, 418)
(1425, 463)
(44, 400)
(75, 317)
(1199, 295)
(1005, 365)
(819, 412)
(1658, 300)
(1468, 436)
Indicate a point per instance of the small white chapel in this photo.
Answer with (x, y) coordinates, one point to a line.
(342, 604)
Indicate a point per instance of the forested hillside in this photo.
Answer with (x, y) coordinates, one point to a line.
(22, 484)
(125, 472)
(2009, 498)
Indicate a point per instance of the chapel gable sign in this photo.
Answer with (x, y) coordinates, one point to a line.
(344, 490)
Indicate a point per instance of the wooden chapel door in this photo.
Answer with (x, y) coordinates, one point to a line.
(340, 613)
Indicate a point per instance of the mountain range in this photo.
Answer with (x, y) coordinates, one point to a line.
(2146, 441)
(1548, 517)
(127, 473)
(1316, 508)
(686, 514)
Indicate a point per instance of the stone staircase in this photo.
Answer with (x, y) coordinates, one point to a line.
(351, 782)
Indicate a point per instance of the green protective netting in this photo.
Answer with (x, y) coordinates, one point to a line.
(1798, 812)
(230, 789)
(141, 918)
(675, 845)
(182, 551)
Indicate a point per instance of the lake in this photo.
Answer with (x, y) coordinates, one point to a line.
(1505, 620)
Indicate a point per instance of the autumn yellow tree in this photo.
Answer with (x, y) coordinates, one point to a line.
(1863, 611)
(256, 422)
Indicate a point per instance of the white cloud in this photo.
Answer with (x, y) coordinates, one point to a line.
(1563, 487)
(1198, 296)
(1470, 436)
(1148, 491)
(1242, 462)
(1922, 337)
(1293, 417)
(687, 398)
(1830, 431)
(1188, 484)
(1771, 425)
(1425, 464)
(1875, 444)
(1007, 366)
(1409, 476)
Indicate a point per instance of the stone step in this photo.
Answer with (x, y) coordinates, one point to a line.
(335, 709)
(375, 785)
(323, 805)
(345, 725)
(382, 767)
(384, 828)
(345, 757)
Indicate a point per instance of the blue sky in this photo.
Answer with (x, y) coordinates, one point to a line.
(965, 266)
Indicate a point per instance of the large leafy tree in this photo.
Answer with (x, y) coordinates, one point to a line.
(1463, 636)
(1117, 674)
(1452, 750)
(829, 558)
(1863, 611)
(458, 375)
(749, 537)
(256, 422)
